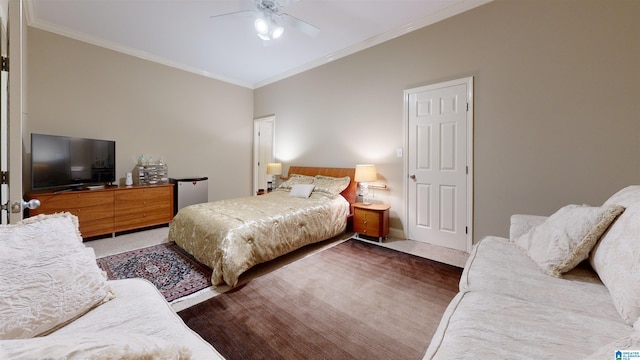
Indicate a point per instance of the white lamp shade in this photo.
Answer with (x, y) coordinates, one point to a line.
(365, 173)
(274, 169)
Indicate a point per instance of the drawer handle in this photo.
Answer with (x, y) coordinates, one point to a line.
(364, 231)
(364, 222)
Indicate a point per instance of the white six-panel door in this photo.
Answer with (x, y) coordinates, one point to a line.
(438, 163)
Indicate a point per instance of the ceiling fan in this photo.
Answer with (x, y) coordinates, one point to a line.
(269, 19)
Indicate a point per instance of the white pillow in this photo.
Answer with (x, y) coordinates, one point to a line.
(302, 190)
(564, 239)
(616, 258)
(98, 345)
(47, 276)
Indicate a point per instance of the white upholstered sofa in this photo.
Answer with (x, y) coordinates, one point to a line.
(55, 302)
(523, 298)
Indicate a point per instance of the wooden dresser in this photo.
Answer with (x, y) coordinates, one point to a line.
(111, 210)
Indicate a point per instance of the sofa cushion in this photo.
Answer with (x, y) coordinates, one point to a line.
(98, 345)
(499, 266)
(47, 276)
(616, 258)
(628, 342)
(565, 239)
(480, 325)
(140, 309)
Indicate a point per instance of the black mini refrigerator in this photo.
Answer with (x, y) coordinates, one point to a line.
(189, 191)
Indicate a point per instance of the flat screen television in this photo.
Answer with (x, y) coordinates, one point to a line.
(71, 162)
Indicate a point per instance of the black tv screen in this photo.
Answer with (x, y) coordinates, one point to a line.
(61, 161)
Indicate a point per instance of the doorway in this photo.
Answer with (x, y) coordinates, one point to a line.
(439, 134)
(263, 150)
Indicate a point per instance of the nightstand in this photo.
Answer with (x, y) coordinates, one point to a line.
(371, 220)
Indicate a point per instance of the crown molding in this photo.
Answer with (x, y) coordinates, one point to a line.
(36, 23)
(376, 40)
(445, 13)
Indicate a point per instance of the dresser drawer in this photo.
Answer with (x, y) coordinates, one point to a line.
(143, 206)
(144, 194)
(94, 209)
(142, 218)
(52, 203)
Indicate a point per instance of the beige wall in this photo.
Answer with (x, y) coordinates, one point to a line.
(200, 126)
(557, 116)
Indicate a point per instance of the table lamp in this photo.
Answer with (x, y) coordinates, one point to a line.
(273, 169)
(364, 175)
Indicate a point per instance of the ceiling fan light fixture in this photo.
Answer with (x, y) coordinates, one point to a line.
(277, 31)
(267, 28)
(262, 26)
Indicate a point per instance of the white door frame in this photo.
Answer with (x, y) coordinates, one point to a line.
(4, 117)
(13, 115)
(256, 148)
(469, 82)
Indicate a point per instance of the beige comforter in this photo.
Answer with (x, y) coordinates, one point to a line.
(230, 236)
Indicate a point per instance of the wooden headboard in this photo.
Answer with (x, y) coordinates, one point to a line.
(349, 193)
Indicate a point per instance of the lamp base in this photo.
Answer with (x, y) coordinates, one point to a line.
(365, 193)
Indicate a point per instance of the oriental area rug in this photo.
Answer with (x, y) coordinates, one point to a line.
(352, 301)
(174, 272)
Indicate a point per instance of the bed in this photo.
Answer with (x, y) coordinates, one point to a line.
(231, 236)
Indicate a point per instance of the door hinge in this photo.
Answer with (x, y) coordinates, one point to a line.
(466, 230)
(4, 177)
(467, 170)
(4, 64)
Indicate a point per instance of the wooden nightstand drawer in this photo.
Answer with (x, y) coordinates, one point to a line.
(366, 221)
(371, 220)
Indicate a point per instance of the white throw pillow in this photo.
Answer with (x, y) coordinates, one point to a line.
(302, 190)
(47, 276)
(98, 345)
(616, 258)
(565, 239)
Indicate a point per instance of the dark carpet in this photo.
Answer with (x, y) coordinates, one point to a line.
(174, 272)
(352, 301)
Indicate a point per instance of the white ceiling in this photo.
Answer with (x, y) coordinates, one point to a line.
(180, 33)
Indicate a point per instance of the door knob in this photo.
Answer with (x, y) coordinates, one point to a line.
(412, 176)
(17, 207)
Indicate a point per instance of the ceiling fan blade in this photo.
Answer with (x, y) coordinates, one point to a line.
(299, 24)
(239, 13)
